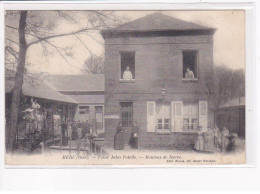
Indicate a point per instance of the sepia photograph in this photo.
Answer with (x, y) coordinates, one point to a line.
(122, 87)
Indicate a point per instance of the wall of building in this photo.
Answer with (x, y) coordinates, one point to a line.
(232, 118)
(158, 64)
(140, 117)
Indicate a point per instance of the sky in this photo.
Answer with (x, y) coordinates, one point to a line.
(229, 40)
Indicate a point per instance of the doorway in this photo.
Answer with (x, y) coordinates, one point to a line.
(126, 117)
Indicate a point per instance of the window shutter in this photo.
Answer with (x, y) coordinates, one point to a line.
(203, 112)
(150, 116)
(172, 116)
(178, 116)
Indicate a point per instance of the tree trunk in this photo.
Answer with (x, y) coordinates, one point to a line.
(18, 82)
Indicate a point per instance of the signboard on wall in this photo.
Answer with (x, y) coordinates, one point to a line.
(112, 116)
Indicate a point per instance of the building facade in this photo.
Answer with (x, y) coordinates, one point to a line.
(157, 73)
(50, 101)
(88, 92)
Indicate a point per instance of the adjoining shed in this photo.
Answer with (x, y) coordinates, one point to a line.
(232, 116)
(88, 92)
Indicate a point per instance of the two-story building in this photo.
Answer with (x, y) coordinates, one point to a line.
(157, 73)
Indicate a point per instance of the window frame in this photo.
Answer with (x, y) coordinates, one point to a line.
(103, 116)
(163, 130)
(127, 109)
(190, 116)
(121, 80)
(85, 108)
(197, 65)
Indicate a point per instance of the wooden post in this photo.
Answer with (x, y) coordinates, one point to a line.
(70, 145)
(53, 110)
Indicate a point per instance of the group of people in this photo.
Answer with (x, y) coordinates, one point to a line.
(212, 140)
(35, 118)
(78, 129)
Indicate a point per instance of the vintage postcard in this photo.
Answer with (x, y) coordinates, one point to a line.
(125, 87)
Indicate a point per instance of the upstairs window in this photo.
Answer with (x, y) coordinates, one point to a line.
(190, 64)
(127, 66)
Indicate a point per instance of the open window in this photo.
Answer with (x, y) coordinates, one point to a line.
(127, 66)
(190, 64)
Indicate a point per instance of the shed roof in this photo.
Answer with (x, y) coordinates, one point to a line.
(88, 83)
(158, 22)
(89, 99)
(234, 102)
(42, 90)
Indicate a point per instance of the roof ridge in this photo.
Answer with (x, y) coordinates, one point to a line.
(160, 15)
(157, 14)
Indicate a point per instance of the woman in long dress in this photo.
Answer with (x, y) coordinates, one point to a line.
(69, 130)
(217, 139)
(199, 145)
(224, 139)
(209, 141)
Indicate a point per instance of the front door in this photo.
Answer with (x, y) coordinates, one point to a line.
(126, 116)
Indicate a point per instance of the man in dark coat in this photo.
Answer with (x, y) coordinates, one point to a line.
(74, 134)
(134, 136)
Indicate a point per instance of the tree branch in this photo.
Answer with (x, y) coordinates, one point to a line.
(56, 36)
(12, 52)
(13, 41)
(11, 27)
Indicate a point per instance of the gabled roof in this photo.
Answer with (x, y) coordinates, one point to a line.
(87, 83)
(43, 90)
(158, 22)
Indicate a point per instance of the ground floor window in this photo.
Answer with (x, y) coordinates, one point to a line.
(163, 117)
(190, 116)
(176, 116)
(83, 113)
(83, 110)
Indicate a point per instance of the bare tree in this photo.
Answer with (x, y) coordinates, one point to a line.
(38, 27)
(226, 84)
(95, 65)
